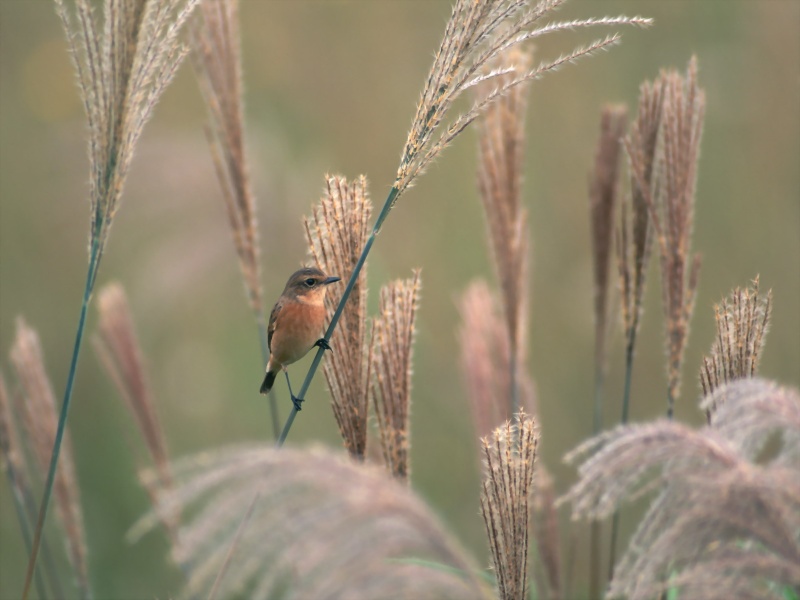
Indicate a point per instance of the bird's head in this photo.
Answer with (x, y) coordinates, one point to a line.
(308, 285)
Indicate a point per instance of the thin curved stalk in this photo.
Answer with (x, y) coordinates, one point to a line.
(626, 395)
(94, 262)
(387, 206)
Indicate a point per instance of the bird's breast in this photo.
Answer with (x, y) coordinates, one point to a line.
(298, 327)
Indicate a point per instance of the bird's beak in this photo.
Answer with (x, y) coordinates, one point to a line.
(330, 280)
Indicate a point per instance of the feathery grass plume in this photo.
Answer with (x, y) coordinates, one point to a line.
(391, 355)
(322, 528)
(12, 461)
(742, 323)
(500, 155)
(123, 68)
(634, 237)
(546, 536)
(37, 405)
(715, 507)
(751, 411)
(602, 207)
(485, 360)
(477, 32)
(119, 352)
(509, 454)
(671, 205)
(634, 234)
(216, 57)
(336, 232)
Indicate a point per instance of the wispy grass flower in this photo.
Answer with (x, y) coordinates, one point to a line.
(477, 32)
(37, 405)
(721, 520)
(742, 323)
(120, 354)
(500, 157)
(336, 232)
(671, 202)
(486, 359)
(509, 456)
(603, 200)
(123, 67)
(16, 468)
(391, 355)
(603, 184)
(323, 527)
(217, 60)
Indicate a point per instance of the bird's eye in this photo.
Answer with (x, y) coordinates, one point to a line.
(310, 282)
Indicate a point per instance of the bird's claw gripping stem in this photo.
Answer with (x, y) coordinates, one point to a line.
(298, 402)
(323, 343)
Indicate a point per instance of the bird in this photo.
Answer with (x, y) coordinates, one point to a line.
(295, 324)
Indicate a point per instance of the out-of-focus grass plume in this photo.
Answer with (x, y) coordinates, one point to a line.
(118, 350)
(216, 54)
(391, 354)
(724, 521)
(36, 403)
(323, 527)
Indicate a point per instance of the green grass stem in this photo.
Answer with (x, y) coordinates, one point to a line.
(94, 262)
(626, 396)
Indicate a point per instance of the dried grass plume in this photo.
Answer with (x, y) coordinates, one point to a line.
(721, 518)
(391, 355)
(509, 455)
(323, 527)
(37, 405)
(336, 233)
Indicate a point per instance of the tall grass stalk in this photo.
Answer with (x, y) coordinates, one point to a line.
(94, 262)
(123, 66)
(476, 33)
(602, 207)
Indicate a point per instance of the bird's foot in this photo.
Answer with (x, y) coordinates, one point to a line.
(323, 343)
(298, 402)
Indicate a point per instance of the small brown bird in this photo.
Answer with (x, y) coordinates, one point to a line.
(295, 324)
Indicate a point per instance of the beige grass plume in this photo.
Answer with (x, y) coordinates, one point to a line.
(671, 202)
(509, 456)
(217, 60)
(392, 353)
(486, 358)
(323, 527)
(118, 349)
(123, 67)
(742, 323)
(722, 523)
(37, 405)
(635, 230)
(603, 195)
(336, 232)
(477, 32)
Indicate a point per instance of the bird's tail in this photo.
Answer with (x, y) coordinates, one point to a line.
(269, 380)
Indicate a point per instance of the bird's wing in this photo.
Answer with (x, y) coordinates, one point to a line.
(273, 317)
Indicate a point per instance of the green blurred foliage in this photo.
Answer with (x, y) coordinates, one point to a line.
(331, 87)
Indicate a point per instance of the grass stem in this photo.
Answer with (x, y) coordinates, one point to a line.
(94, 261)
(626, 395)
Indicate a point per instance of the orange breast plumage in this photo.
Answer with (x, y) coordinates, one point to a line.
(298, 327)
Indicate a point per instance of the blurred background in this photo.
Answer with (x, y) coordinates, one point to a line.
(331, 87)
